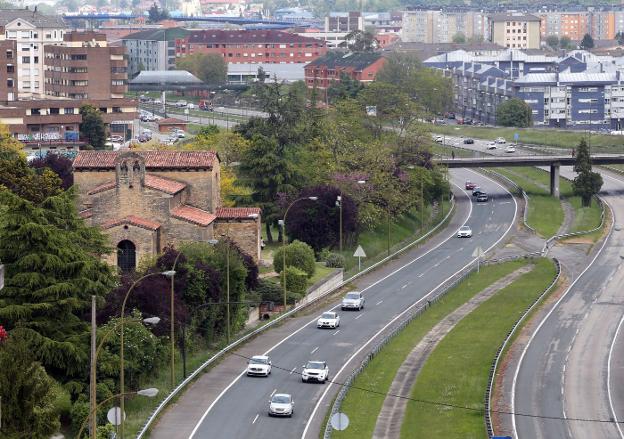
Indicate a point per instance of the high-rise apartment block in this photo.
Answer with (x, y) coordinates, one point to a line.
(514, 31)
(429, 26)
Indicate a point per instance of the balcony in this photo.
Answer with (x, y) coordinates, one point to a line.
(52, 118)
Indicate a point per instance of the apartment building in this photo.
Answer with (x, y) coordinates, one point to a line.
(344, 22)
(514, 31)
(8, 70)
(324, 71)
(152, 49)
(434, 26)
(32, 31)
(252, 46)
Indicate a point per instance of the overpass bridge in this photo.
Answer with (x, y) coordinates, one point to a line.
(553, 161)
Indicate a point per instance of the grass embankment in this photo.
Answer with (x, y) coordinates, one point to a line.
(545, 213)
(536, 136)
(457, 370)
(363, 407)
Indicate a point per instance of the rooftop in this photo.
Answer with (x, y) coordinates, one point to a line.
(193, 215)
(165, 185)
(512, 17)
(356, 60)
(237, 212)
(158, 34)
(166, 77)
(33, 17)
(99, 160)
(132, 220)
(247, 36)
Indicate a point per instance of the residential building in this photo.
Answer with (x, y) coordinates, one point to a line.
(147, 200)
(32, 31)
(440, 26)
(324, 71)
(8, 71)
(252, 46)
(344, 22)
(514, 31)
(152, 49)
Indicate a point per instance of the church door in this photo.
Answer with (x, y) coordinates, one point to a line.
(126, 255)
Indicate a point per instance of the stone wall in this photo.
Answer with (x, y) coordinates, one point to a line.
(147, 242)
(200, 188)
(245, 233)
(86, 181)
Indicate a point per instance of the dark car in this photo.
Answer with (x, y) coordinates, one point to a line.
(477, 191)
(482, 197)
(468, 141)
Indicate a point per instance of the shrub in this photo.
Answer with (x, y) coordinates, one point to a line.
(299, 255)
(269, 291)
(296, 281)
(335, 260)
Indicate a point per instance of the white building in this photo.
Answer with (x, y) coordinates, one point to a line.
(32, 31)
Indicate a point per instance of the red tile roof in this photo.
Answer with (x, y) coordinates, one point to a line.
(101, 188)
(193, 215)
(163, 184)
(237, 212)
(171, 121)
(153, 159)
(133, 220)
(87, 213)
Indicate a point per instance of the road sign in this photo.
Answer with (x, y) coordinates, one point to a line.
(114, 416)
(477, 253)
(359, 253)
(339, 421)
(516, 136)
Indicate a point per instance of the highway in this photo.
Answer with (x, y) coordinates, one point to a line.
(571, 370)
(240, 411)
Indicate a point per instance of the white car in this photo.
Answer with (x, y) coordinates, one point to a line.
(259, 365)
(181, 104)
(329, 319)
(510, 148)
(491, 145)
(500, 140)
(464, 232)
(315, 371)
(281, 404)
(353, 300)
(438, 139)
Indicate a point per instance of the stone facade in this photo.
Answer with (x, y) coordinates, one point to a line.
(147, 200)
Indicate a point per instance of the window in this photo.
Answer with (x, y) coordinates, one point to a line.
(9, 83)
(54, 111)
(117, 110)
(35, 111)
(126, 256)
(10, 68)
(35, 59)
(78, 57)
(25, 49)
(9, 54)
(26, 59)
(68, 111)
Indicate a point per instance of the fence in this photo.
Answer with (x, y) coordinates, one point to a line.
(173, 393)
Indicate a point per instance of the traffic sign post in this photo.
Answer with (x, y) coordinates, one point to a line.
(516, 137)
(339, 421)
(359, 253)
(477, 253)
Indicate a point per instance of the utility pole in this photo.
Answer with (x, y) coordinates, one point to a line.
(93, 394)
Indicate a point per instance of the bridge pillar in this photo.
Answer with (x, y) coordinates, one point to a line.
(554, 180)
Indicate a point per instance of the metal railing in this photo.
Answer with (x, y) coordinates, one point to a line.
(173, 393)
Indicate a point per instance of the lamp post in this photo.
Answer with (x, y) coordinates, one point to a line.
(121, 353)
(150, 393)
(171, 275)
(282, 223)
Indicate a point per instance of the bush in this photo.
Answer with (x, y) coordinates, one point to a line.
(79, 412)
(296, 281)
(335, 260)
(269, 291)
(299, 255)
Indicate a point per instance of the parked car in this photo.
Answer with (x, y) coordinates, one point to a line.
(470, 185)
(482, 197)
(259, 365)
(464, 232)
(115, 138)
(329, 319)
(181, 104)
(353, 300)
(491, 145)
(468, 141)
(192, 106)
(315, 371)
(510, 149)
(281, 404)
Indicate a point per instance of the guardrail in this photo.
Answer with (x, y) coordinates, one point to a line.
(173, 393)
(488, 393)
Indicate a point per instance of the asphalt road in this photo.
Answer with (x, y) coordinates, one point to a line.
(241, 409)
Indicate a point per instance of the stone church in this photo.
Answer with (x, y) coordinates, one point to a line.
(146, 200)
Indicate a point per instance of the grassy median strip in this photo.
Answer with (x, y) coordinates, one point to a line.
(363, 407)
(457, 371)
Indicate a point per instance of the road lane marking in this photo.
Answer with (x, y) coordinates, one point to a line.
(336, 332)
(379, 303)
(358, 316)
(274, 390)
(256, 418)
(405, 286)
(421, 274)
(314, 350)
(293, 370)
(611, 405)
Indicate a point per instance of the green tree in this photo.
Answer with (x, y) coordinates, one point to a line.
(210, 68)
(514, 113)
(565, 42)
(587, 42)
(459, 38)
(28, 394)
(361, 41)
(53, 267)
(298, 254)
(346, 87)
(155, 14)
(92, 126)
(587, 183)
(552, 41)
(620, 37)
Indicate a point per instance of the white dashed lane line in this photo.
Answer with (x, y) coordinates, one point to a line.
(379, 303)
(314, 350)
(358, 317)
(256, 418)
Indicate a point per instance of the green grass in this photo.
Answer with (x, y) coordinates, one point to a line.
(537, 136)
(363, 407)
(457, 370)
(320, 272)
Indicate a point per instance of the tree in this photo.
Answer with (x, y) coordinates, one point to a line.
(459, 38)
(53, 267)
(620, 37)
(587, 183)
(59, 164)
(298, 254)
(28, 394)
(552, 41)
(210, 68)
(361, 41)
(155, 14)
(92, 126)
(565, 43)
(346, 87)
(587, 42)
(514, 113)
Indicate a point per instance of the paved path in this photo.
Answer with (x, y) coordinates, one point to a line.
(391, 416)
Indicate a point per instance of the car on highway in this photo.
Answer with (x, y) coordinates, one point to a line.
(328, 319)
(259, 365)
(281, 404)
(491, 145)
(176, 132)
(476, 191)
(353, 300)
(315, 371)
(464, 232)
(482, 197)
(468, 141)
(510, 149)
(470, 185)
(438, 139)
(500, 140)
(181, 104)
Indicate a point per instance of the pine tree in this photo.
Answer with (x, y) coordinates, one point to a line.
(52, 268)
(587, 183)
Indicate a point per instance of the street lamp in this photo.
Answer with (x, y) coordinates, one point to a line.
(282, 224)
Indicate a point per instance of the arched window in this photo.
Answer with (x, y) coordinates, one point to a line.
(126, 255)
